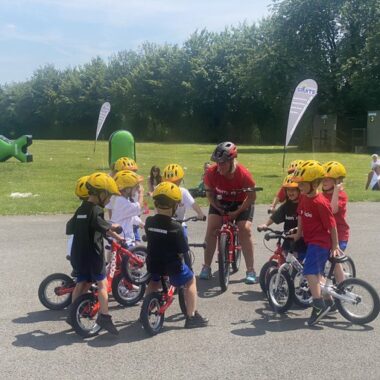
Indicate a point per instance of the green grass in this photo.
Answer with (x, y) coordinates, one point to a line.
(57, 165)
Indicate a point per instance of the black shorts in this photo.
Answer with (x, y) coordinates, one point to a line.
(245, 215)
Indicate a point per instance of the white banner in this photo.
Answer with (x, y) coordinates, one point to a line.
(303, 95)
(104, 111)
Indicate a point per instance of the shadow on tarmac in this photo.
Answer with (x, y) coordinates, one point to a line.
(274, 322)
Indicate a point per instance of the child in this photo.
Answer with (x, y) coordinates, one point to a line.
(316, 223)
(154, 179)
(123, 208)
(287, 214)
(281, 196)
(81, 192)
(166, 247)
(373, 182)
(174, 173)
(200, 191)
(87, 253)
(332, 187)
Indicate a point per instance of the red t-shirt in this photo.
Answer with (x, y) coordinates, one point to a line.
(242, 178)
(281, 195)
(340, 217)
(317, 220)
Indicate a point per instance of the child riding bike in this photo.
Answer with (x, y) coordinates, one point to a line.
(166, 247)
(87, 253)
(287, 214)
(316, 223)
(226, 176)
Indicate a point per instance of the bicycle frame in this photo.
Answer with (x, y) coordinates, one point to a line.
(290, 262)
(230, 229)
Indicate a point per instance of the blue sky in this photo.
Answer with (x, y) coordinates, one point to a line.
(70, 32)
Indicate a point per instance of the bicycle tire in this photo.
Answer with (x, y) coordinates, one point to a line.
(223, 263)
(346, 287)
(80, 309)
(275, 295)
(302, 294)
(181, 299)
(237, 257)
(136, 275)
(264, 274)
(151, 304)
(62, 280)
(123, 294)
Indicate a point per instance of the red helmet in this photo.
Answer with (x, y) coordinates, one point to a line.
(225, 151)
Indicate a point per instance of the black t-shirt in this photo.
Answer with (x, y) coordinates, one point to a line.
(287, 214)
(166, 244)
(88, 227)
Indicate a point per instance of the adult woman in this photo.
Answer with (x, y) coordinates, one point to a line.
(226, 176)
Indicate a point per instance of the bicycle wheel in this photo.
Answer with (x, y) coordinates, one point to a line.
(55, 291)
(150, 316)
(134, 273)
(126, 293)
(302, 294)
(223, 263)
(264, 275)
(361, 302)
(237, 260)
(181, 299)
(83, 313)
(280, 297)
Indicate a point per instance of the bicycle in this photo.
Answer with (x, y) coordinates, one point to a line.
(346, 294)
(84, 309)
(155, 304)
(229, 248)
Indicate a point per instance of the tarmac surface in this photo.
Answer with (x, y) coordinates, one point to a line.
(245, 339)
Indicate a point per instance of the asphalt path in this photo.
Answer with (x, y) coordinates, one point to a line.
(244, 340)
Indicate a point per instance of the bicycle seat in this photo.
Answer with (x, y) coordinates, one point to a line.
(339, 259)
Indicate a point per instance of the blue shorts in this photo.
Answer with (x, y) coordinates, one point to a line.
(343, 245)
(315, 260)
(178, 279)
(90, 278)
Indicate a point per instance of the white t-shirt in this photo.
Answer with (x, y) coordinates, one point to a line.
(123, 212)
(187, 202)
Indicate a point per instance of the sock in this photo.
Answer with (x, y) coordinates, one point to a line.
(318, 303)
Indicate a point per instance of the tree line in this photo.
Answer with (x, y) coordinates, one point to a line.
(236, 84)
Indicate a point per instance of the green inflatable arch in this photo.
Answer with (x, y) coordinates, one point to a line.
(121, 144)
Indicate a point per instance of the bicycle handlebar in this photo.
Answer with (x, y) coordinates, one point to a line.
(197, 245)
(191, 218)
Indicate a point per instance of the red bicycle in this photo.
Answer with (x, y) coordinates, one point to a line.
(229, 248)
(84, 310)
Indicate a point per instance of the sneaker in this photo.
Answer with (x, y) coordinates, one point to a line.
(105, 321)
(195, 321)
(205, 273)
(333, 307)
(251, 278)
(317, 314)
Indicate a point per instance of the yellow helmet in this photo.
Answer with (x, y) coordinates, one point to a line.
(125, 163)
(334, 169)
(167, 194)
(309, 171)
(98, 182)
(127, 179)
(173, 172)
(288, 182)
(294, 165)
(81, 190)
